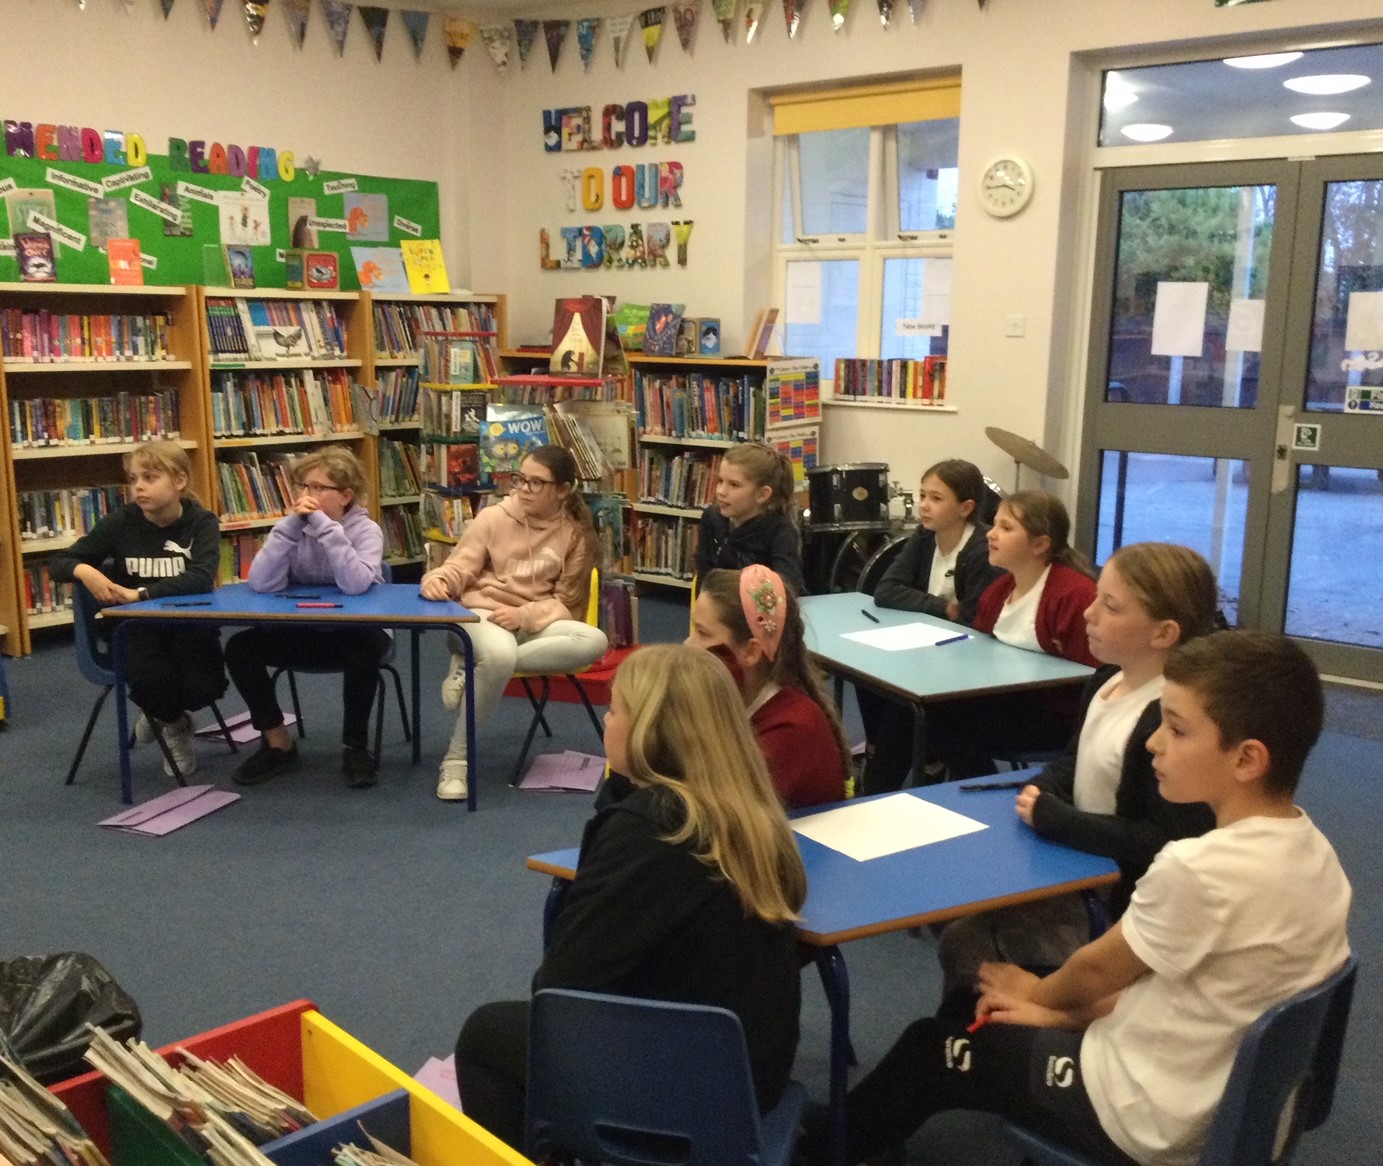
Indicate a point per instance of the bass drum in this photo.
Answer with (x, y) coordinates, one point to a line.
(862, 559)
(849, 497)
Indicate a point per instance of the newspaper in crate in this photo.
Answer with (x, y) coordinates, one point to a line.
(510, 432)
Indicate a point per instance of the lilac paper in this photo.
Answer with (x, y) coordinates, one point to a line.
(171, 811)
(440, 1076)
(242, 732)
(564, 771)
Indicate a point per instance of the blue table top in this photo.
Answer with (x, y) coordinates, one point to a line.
(977, 665)
(1007, 863)
(394, 603)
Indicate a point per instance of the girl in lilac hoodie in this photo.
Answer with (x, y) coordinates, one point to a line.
(328, 540)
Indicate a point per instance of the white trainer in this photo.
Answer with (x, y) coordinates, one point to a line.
(143, 731)
(178, 737)
(451, 782)
(454, 686)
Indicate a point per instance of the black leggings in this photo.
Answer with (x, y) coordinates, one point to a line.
(1029, 1075)
(492, 1068)
(172, 670)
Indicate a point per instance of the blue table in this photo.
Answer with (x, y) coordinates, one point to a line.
(384, 605)
(1005, 864)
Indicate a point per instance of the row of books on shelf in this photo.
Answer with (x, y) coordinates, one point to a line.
(400, 470)
(398, 394)
(43, 594)
(444, 516)
(543, 387)
(254, 486)
(449, 466)
(43, 337)
(923, 381)
(458, 413)
(403, 532)
(607, 515)
(399, 324)
(700, 405)
(664, 546)
(238, 550)
(249, 329)
(296, 401)
(66, 513)
(619, 612)
(457, 360)
(685, 479)
(121, 417)
(793, 388)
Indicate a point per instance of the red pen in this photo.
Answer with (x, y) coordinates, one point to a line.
(980, 1023)
(319, 605)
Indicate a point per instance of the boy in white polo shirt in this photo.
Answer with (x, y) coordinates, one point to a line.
(1125, 1050)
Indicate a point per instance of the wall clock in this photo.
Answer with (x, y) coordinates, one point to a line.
(1006, 186)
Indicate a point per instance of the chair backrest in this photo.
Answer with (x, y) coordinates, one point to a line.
(636, 1082)
(1283, 1080)
(94, 659)
(593, 599)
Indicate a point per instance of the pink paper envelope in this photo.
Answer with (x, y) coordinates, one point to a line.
(569, 770)
(168, 812)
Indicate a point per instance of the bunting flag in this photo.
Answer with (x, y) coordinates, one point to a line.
(416, 24)
(497, 38)
(885, 12)
(167, 7)
(459, 33)
(725, 14)
(915, 7)
(651, 21)
(792, 13)
(255, 12)
(587, 27)
(525, 33)
(619, 36)
(753, 11)
(296, 11)
(213, 10)
(376, 21)
(686, 14)
(839, 8)
(338, 14)
(555, 33)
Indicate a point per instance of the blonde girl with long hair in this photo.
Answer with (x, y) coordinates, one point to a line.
(753, 518)
(687, 887)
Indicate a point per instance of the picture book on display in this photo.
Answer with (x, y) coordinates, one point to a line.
(240, 261)
(664, 322)
(578, 336)
(380, 269)
(509, 433)
(126, 264)
(631, 324)
(427, 270)
(34, 251)
(323, 270)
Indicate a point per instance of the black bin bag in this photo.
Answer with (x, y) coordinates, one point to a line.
(46, 1002)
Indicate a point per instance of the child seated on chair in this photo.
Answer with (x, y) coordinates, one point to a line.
(327, 540)
(1125, 1050)
(524, 566)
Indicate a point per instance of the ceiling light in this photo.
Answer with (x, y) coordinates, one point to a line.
(1327, 84)
(1262, 61)
(1146, 131)
(1319, 121)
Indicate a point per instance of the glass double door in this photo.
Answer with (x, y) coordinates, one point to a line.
(1235, 399)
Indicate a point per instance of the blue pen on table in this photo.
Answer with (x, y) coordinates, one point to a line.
(291, 595)
(190, 603)
(870, 616)
(952, 640)
(969, 786)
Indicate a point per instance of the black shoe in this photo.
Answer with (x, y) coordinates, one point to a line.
(357, 767)
(267, 763)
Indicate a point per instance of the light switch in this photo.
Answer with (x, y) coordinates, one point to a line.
(1016, 326)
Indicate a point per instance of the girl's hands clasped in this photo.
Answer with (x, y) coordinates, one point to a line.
(101, 588)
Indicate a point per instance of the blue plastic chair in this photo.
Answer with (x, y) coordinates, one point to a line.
(96, 664)
(635, 1082)
(1282, 1083)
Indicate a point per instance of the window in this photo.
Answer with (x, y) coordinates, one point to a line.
(866, 190)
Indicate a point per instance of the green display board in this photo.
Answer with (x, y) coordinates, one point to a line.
(353, 210)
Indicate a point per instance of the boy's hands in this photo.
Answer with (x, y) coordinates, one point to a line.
(1006, 1009)
(1007, 979)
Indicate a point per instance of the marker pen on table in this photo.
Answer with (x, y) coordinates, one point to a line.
(190, 603)
(319, 605)
(290, 595)
(968, 786)
(869, 615)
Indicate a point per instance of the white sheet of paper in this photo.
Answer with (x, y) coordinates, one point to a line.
(903, 636)
(884, 826)
(804, 293)
(1364, 322)
(1179, 318)
(1244, 332)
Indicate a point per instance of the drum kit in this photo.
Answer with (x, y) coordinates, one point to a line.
(852, 533)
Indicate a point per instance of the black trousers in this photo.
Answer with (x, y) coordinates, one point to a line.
(969, 734)
(1028, 1075)
(172, 670)
(492, 1068)
(888, 731)
(354, 652)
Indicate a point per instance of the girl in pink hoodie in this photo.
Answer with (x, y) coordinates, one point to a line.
(524, 566)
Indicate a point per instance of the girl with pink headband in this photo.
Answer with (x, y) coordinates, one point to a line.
(751, 621)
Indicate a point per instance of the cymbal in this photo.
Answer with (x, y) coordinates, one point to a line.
(1026, 452)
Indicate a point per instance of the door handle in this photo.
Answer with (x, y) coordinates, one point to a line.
(1282, 449)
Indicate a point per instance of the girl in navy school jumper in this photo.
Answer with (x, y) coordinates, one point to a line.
(753, 517)
(1038, 604)
(687, 887)
(941, 570)
(161, 544)
(752, 621)
(1101, 796)
(328, 539)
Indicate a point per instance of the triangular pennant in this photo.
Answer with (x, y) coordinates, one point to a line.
(685, 15)
(255, 12)
(586, 29)
(651, 22)
(619, 36)
(167, 7)
(915, 7)
(498, 38)
(376, 21)
(297, 11)
(753, 12)
(885, 12)
(525, 33)
(338, 14)
(725, 16)
(459, 33)
(555, 33)
(839, 8)
(416, 23)
(213, 10)
(792, 13)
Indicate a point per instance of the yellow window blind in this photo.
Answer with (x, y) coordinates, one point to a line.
(866, 105)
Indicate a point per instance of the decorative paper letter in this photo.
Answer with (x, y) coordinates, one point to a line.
(592, 188)
(622, 187)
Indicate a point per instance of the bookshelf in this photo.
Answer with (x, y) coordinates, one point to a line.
(899, 383)
(86, 372)
(689, 411)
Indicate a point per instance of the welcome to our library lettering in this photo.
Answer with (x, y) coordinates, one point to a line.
(636, 124)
